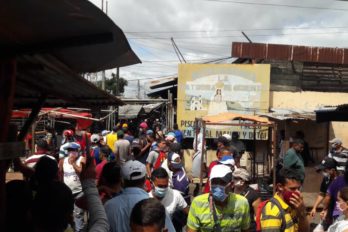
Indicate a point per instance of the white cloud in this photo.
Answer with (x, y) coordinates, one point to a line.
(206, 29)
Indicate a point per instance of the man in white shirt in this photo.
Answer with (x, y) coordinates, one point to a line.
(172, 199)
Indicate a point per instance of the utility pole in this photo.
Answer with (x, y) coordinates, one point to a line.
(138, 89)
(177, 51)
(117, 91)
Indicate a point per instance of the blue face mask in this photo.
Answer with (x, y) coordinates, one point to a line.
(177, 166)
(160, 192)
(218, 192)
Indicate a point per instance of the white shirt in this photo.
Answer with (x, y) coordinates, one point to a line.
(172, 201)
(170, 173)
(71, 179)
(339, 226)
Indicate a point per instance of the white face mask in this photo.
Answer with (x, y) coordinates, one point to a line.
(325, 174)
(339, 207)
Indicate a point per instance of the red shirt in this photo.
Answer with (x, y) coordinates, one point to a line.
(99, 168)
(207, 185)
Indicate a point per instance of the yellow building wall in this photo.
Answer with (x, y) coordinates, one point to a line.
(309, 100)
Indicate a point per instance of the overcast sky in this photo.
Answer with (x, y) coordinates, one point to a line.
(204, 30)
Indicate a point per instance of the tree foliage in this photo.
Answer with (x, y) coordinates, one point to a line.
(111, 85)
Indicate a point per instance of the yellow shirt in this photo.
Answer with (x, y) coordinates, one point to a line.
(111, 138)
(271, 218)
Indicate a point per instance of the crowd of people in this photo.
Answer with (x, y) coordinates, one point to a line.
(124, 180)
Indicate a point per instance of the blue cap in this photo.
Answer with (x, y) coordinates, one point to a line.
(73, 145)
(149, 132)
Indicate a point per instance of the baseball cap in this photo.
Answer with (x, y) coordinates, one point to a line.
(172, 156)
(124, 125)
(105, 132)
(227, 136)
(133, 170)
(336, 141)
(120, 133)
(227, 160)
(143, 125)
(170, 136)
(327, 163)
(73, 146)
(95, 138)
(241, 173)
(149, 132)
(222, 172)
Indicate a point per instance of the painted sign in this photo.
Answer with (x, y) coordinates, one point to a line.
(211, 89)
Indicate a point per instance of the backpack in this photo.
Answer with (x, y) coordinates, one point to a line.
(259, 212)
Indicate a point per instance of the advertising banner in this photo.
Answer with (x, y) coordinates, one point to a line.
(213, 89)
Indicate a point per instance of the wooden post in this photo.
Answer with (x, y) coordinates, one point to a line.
(7, 91)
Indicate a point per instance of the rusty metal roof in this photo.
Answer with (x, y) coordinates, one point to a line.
(290, 53)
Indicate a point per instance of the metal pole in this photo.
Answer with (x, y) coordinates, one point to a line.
(274, 155)
(202, 158)
(117, 91)
(138, 89)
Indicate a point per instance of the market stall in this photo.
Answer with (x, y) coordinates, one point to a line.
(233, 119)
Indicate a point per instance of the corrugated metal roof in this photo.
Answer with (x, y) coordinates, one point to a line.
(150, 107)
(290, 114)
(129, 111)
(290, 53)
(37, 75)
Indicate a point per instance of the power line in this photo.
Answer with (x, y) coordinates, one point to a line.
(232, 30)
(278, 5)
(240, 36)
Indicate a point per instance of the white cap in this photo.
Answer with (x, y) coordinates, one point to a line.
(241, 173)
(133, 170)
(174, 157)
(222, 172)
(336, 141)
(95, 138)
(105, 132)
(227, 136)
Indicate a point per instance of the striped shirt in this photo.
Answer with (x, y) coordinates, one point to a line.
(271, 218)
(341, 157)
(233, 217)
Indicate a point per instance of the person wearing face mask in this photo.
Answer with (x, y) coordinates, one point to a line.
(341, 225)
(285, 211)
(329, 172)
(241, 180)
(330, 211)
(170, 198)
(221, 209)
(338, 153)
(180, 181)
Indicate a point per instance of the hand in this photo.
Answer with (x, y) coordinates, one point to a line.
(323, 214)
(298, 203)
(88, 169)
(313, 212)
